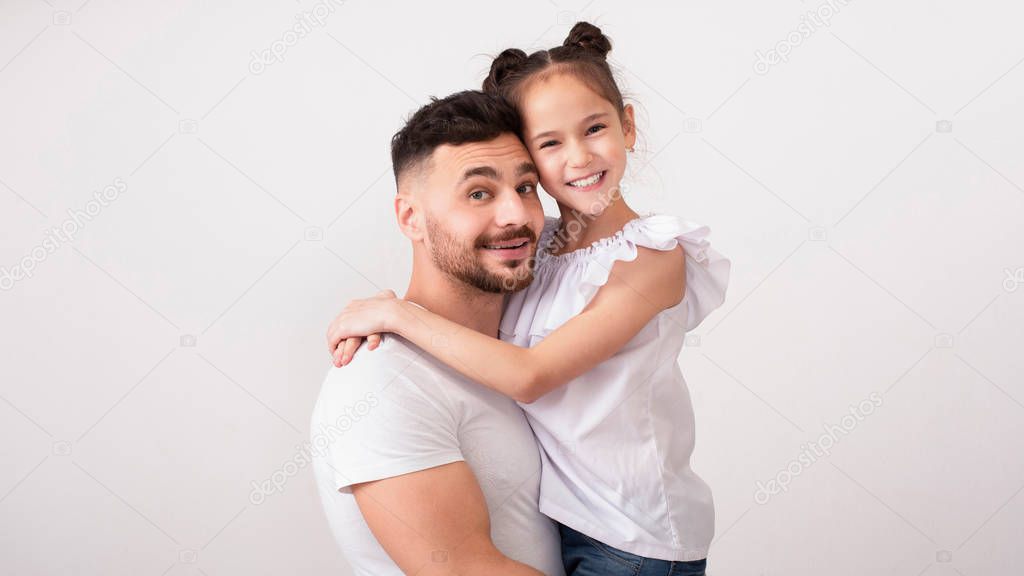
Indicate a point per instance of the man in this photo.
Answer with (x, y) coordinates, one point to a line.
(420, 470)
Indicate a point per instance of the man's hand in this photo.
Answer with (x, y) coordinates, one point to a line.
(435, 522)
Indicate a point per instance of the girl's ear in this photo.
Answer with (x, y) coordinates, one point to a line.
(628, 126)
(407, 212)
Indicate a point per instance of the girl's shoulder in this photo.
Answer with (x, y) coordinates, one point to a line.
(655, 231)
(565, 283)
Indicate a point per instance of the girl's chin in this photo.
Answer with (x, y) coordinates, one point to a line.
(587, 203)
(585, 207)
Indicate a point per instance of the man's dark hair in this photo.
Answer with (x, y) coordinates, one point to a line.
(463, 117)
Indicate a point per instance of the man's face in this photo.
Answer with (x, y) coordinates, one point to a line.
(482, 213)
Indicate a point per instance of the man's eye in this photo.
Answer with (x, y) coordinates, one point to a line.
(528, 188)
(595, 128)
(478, 194)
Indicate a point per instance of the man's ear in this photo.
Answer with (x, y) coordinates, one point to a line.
(628, 126)
(409, 215)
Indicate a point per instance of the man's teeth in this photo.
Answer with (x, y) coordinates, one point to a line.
(505, 247)
(584, 182)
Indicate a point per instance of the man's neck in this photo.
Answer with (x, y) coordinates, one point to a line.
(454, 300)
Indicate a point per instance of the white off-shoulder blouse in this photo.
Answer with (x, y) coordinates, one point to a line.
(616, 441)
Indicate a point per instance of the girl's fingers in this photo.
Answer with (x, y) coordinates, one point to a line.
(372, 341)
(336, 354)
(350, 349)
(333, 339)
(332, 342)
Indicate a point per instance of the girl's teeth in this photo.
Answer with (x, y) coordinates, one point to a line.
(586, 181)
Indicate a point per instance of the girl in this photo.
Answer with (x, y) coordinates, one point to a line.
(590, 348)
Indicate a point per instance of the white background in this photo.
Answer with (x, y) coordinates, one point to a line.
(168, 356)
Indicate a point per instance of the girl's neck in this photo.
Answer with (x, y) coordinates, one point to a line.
(581, 230)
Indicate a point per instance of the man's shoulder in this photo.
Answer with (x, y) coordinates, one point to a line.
(382, 415)
(396, 369)
(394, 356)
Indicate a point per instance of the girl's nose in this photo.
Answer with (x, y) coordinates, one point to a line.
(581, 158)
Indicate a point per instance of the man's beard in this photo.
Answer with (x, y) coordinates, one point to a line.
(464, 262)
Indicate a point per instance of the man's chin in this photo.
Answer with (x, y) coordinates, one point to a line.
(514, 280)
(502, 279)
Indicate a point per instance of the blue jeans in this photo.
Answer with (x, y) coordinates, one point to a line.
(585, 556)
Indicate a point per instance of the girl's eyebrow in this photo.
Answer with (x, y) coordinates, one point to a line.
(590, 118)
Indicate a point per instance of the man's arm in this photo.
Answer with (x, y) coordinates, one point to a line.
(434, 522)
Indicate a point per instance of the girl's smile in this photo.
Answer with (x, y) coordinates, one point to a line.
(589, 183)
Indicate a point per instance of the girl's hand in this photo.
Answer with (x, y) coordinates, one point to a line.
(361, 318)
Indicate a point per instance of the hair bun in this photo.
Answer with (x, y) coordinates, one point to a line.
(586, 36)
(509, 61)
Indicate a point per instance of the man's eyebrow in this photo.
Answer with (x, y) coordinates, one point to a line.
(485, 171)
(527, 168)
(586, 120)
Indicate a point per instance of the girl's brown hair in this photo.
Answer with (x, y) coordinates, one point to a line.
(583, 55)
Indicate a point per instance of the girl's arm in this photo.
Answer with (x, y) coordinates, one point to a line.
(635, 292)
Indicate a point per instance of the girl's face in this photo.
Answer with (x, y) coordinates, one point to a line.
(577, 141)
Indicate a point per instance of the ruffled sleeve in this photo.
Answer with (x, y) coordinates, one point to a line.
(566, 283)
(707, 271)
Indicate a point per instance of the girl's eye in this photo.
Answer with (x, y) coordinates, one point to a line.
(548, 143)
(477, 194)
(527, 188)
(595, 128)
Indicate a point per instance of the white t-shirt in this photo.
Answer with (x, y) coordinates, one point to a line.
(616, 441)
(396, 410)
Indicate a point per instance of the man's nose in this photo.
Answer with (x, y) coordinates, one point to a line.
(512, 210)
